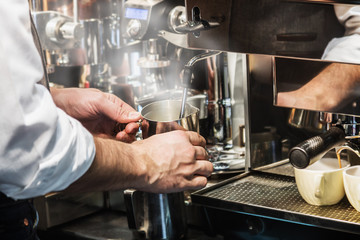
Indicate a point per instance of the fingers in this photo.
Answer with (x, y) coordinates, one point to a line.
(197, 182)
(127, 114)
(124, 137)
(132, 128)
(203, 168)
(118, 110)
(199, 178)
(196, 139)
(128, 134)
(200, 153)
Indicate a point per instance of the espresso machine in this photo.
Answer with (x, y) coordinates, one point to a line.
(140, 45)
(126, 48)
(131, 48)
(300, 62)
(160, 26)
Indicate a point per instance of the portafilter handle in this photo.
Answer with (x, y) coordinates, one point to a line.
(312, 149)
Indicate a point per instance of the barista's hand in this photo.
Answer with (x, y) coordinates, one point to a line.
(163, 163)
(101, 113)
(173, 161)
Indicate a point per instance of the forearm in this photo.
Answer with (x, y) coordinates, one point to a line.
(336, 86)
(330, 90)
(113, 168)
(156, 164)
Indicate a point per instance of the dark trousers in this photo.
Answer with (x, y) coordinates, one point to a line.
(18, 219)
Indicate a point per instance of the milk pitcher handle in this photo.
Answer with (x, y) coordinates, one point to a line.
(134, 208)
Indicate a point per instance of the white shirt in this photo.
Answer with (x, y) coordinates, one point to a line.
(41, 148)
(346, 48)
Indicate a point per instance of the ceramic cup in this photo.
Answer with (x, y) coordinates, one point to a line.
(352, 185)
(322, 182)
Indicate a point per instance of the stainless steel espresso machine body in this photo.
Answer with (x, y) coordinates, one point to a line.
(118, 47)
(162, 60)
(142, 46)
(301, 80)
(141, 22)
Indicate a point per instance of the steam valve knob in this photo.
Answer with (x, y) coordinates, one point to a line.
(72, 30)
(60, 28)
(133, 28)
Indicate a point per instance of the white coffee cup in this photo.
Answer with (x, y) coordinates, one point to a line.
(322, 182)
(352, 186)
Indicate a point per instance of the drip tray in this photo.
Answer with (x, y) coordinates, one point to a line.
(276, 196)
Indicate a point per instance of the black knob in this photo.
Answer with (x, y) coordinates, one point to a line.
(307, 152)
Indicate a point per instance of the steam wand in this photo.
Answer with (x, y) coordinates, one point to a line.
(188, 73)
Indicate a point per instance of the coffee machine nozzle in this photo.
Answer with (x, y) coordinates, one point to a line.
(343, 134)
(187, 75)
(312, 149)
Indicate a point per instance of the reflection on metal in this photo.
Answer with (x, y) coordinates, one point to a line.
(317, 86)
(58, 208)
(278, 28)
(311, 121)
(265, 147)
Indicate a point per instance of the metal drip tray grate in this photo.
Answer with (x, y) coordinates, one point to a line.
(276, 196)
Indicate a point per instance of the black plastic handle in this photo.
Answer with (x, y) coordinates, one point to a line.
(309, 151)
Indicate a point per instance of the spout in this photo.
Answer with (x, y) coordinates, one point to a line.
(188, 73)
(189, 65)
(348, 146)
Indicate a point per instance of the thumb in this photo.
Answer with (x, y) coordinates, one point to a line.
(119, 111)
(133, 116)
(126, 115)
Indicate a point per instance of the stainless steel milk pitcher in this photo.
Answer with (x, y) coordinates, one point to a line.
(161, 216)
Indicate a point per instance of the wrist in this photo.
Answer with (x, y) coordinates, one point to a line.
(141, 165)
(115, 166)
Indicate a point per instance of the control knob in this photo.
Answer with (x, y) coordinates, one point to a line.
(133, 28)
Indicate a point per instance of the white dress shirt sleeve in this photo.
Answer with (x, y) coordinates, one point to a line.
(41, 148)
(346, 48)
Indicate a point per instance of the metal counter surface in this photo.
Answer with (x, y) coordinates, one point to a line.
(272, 193)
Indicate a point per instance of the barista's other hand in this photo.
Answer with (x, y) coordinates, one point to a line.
(101, 113)
(173, 161)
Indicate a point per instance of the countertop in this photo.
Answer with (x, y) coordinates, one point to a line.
(106, 224)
